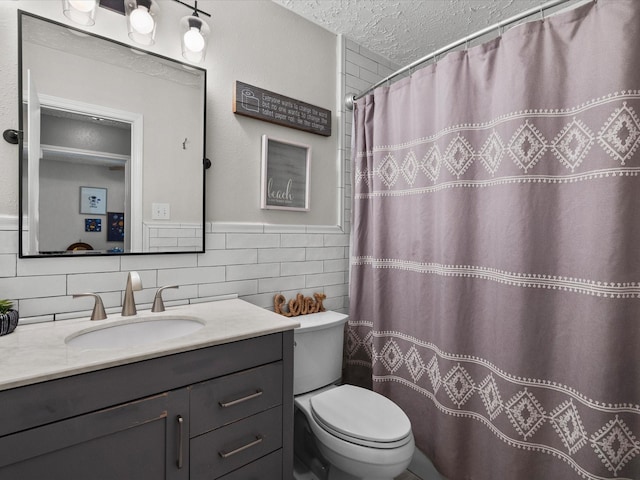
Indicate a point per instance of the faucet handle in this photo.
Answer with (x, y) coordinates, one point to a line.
(98, 308)
(158, 304)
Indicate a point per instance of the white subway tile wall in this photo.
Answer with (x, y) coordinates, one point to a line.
(178, 237)
(254, 261)
(360, 69)
(255, 266)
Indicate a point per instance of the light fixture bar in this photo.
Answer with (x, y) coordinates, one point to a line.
(194, 8)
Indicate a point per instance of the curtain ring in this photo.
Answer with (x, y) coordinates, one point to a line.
(542, 14)
(466, 44)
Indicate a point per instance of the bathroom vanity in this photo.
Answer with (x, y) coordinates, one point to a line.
(217, 403)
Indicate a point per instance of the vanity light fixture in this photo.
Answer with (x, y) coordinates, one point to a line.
(141, 20)
(82, 12)
(195, 35)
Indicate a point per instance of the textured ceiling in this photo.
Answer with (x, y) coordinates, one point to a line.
(405, 30)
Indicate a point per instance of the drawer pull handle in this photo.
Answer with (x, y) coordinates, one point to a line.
(257, 441)
(240, 400)
(180, 423)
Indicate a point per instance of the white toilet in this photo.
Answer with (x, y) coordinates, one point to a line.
(341, 432)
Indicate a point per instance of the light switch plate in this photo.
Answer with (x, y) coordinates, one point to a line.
(160, 211)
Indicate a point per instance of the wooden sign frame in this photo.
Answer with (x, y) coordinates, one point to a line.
(272, 107)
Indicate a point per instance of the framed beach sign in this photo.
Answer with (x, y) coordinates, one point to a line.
(285, 175)
(93, 200)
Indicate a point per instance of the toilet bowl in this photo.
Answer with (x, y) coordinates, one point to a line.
(361, 434)
(343, 432)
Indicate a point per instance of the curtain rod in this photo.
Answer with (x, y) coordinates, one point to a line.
(351, 97)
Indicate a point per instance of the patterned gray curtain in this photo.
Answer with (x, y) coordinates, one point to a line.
(496, 250)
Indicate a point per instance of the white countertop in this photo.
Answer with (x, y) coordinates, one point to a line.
(38, 352)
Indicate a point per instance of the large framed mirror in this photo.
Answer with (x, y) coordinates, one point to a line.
(111, 157)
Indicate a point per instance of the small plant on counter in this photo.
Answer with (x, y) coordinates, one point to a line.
(5, 306)
(8, 317)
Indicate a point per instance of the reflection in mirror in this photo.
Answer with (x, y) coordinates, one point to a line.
(113, 146)
(78, 152)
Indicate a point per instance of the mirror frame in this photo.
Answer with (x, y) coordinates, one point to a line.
(21, 150)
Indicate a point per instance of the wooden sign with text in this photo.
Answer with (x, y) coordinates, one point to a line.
(275, 108)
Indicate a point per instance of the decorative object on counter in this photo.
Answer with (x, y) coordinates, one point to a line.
(92, 225)
(8, 317)
(115, 227)
(285, 175)
(272, 107)
(300, 305)
(93, 200)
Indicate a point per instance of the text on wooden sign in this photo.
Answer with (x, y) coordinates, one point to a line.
(272, 107)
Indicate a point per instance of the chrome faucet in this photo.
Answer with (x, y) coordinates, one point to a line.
(133, 284)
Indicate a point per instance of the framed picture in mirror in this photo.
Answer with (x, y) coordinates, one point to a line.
(115, 227)
(93, 200)
(285, 175)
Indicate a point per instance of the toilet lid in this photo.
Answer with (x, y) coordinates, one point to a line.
(361, 416)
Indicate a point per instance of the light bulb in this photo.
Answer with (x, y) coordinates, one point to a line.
(194, 40)
(84, 6)
(141, 20)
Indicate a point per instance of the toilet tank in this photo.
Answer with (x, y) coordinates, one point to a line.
(317, 353)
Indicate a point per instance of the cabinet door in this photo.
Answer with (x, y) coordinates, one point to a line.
(137, 441)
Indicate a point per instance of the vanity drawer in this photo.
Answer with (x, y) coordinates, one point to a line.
(226, 449)
(224, 400)
(265, 467)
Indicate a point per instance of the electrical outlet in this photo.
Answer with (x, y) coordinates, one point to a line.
(160, 211)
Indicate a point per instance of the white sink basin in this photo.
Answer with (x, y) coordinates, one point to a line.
(141, 331)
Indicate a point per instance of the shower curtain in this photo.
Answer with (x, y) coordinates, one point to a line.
(495, 273)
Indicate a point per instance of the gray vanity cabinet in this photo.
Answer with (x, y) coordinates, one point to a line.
(222, 412)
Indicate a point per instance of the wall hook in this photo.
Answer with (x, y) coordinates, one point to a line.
(12, 136)
(184, 144)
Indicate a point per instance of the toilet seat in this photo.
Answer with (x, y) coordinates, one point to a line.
(362, 417)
